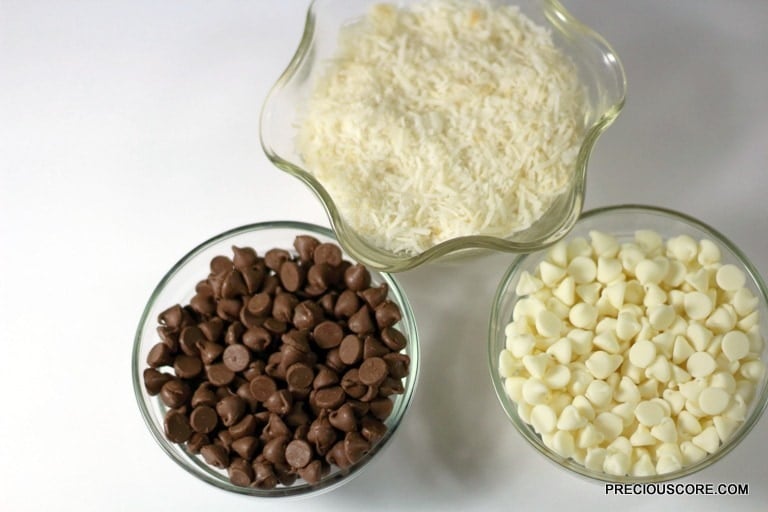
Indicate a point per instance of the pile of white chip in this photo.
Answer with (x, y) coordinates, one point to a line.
(638, 358)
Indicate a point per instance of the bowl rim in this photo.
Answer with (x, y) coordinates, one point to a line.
(375, 257)
(760, 400)
(337, 478)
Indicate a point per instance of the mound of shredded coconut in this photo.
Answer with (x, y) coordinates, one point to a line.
(444, 119)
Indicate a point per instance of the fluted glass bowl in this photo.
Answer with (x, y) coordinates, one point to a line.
(178, 286)
(622, 222)
(599, 70)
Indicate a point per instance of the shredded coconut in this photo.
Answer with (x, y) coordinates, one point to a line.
(445, 119)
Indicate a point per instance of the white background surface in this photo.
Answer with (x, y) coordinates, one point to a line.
(129, 133)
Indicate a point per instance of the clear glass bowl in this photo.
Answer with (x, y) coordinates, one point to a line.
(178, 286)
(599, 69)
(622, 222)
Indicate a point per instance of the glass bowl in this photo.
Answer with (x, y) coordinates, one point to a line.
(178, 286)
(622, 222)
(599, 70)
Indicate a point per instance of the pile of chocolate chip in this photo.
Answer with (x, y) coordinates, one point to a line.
(283, 365)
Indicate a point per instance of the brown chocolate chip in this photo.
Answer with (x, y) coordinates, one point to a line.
(360, 322)
(351, 384)
(244, 392)
(260, 304)
(328, 302)
(371, 393)
(154, 380)
(159, 355)
(351, 349)
(176, 426)
(219, 375)
(307, 314)
(240, 472)
(275, 368)
(175, 393)
(391, 386)
(373, 371)
(230, 409)
(297, 339)
(375, 296)
(171, 317)
(271, 284)
(275, 326)
(325, 377)
(246, 447)
(357, 277)
(283, 306)
(292, 275)
(355, 446)
(212, 329)
(333, 360)
(397, 364)
(220, 265)
(313, 472)
(359, 407)
(338, 455)
(254, 369)
(320, 277)
(299, 376)
(372, 347)
(189, 338)
(327, 334)
(381, 408)
(387, 314)
(253, 277)
(264, 475)
(275, 427)
(249, 320)
(209, 351)
(327, 253)
(274, 450)
(290, 356)
(393, 339)
(187, 367)
(244, 257)
(215, 455)
(262, 387)
(343, 418)
(203, 303)
(298, 454)
(234, 333)
(274, 258)
(297, 416)
(305, 247)
(196, 442)
(229, 309)
(169, 336)
(322, 435)
(236, 357)
(346, 305)
(234, 285)
(247, 426)
(328, 398)
(203, 419)
(204, 395)
(257, 338)
(279, 402)
(224, 438)
(372, 429)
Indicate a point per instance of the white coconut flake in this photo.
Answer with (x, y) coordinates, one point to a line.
(445, 119)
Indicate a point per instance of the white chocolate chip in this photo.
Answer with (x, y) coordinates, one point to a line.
(700, 364)
(607, 341)
(691, 453)
(649, 413)
(626, 391)
(521, 345)
(548, 324)
(661, 316)
(535, 392)
(709, 252)
(589, 293)
(650, 272)
(543, 419)
(687, 423)
(752, 370)
(642, 353)
(642, 436)
(558, 254)
(627, 326)
(589, 437)
(707, 440)
(528, 284)
(699, 280)
(650, 241)
(643, 466)
(683, 248)
(595, 458)
(660, 369)
(730, 277)
(583, 316)
(608, 269)
(566, 291)
(667, 464)
(578, 247)
(571, 419)
(513, 386)
(697, 305)
(561, 350)
(558, 377)
(699, 336)
(681, 350)
(508, 364)
(725, 427)
(550, 274)
(604, 244)
(721, 320)
(563, 444)
(665, 431)
(599, 393)
(744, 302)
(735, 345)
(583, 269)
(601, 364)
(609, 425)
(616, 463)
